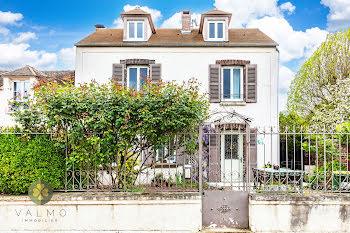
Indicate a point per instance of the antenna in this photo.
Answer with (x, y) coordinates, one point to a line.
(194, 22)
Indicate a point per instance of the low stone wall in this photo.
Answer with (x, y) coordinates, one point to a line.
(299, 212)
(107, 212)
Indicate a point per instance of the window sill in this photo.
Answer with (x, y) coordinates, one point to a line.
(233, 103)
(216, 41)
(134, 41)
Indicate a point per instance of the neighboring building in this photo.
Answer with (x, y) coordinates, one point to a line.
(17, 84)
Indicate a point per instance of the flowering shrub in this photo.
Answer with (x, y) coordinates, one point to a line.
(107, 124)
(319, 93)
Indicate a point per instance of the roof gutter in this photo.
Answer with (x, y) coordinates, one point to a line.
(173, 45)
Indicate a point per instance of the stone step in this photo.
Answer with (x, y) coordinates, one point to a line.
(224, 230)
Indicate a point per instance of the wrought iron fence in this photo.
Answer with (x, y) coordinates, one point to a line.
(268, 160)
(230, 156)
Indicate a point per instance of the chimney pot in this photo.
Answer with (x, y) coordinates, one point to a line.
(186, 22)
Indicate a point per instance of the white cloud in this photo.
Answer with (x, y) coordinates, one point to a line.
(118, 23)
(282, 102)
(156, 15)
(4, 31)
(339, 14)
(284, 80)
(67, 57)
(9, 17)
(288, 6)
(292, 44)
(286, 75)
(24, 37)
(17, 55)
(243, 12)
(175, 20)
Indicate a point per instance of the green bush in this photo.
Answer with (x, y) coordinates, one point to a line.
(24, 160)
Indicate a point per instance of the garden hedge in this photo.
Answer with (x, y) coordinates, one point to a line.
(25, 159)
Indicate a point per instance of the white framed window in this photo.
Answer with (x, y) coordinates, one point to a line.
(232, 83)
(20, 93)
(135, 30)
(137, 75)
(216, 30)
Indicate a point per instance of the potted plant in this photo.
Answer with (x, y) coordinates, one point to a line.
(170, 182)
(157, 180)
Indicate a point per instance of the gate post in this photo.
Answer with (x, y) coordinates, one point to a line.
(200, 155)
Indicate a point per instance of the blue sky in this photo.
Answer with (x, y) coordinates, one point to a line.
(43, 33)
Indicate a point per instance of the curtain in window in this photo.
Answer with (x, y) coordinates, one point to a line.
(140, 30)
(211, 30)
(220, 30)
(227, 84)
(133, 78)
(131, 30)
(236, 83)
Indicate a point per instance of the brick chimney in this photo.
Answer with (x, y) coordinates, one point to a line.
(186, 22)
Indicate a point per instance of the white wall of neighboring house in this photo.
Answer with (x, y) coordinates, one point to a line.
(6, 95)
(183, 63)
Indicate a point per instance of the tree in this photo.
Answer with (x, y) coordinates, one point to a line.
(319, 91)
(107, 125)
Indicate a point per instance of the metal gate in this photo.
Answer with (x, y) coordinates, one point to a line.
(221, 208)
(226, 156)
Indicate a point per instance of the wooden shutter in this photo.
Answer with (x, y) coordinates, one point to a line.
(251, 83)
(119, 74)
(214, 157)
(156, 72)
(214, 83)
(252, 151)
(180, 155)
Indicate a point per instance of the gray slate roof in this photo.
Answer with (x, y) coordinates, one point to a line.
(25, 71)
(57, 75)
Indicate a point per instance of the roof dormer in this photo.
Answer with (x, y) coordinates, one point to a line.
(138, 25)
(214, 25)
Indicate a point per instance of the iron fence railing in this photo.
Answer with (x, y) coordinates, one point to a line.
(268, 160)
(230, 156)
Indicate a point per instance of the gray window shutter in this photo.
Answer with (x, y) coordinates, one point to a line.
(251, 83)
(214, 157)
(156, 72)
(214, 84)
(180, 155)
(119, 74)
(252, 151)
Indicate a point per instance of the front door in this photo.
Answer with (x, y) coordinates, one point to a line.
(232, 157)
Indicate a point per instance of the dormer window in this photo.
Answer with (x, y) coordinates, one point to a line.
(214, 26)
(135, 30)
(216, 30)
(138, 25)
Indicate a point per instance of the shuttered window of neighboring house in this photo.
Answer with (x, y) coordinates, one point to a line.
(238, 82)
(132, 72)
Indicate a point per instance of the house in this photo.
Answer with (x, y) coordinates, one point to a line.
(17, 85)
(237, 67)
